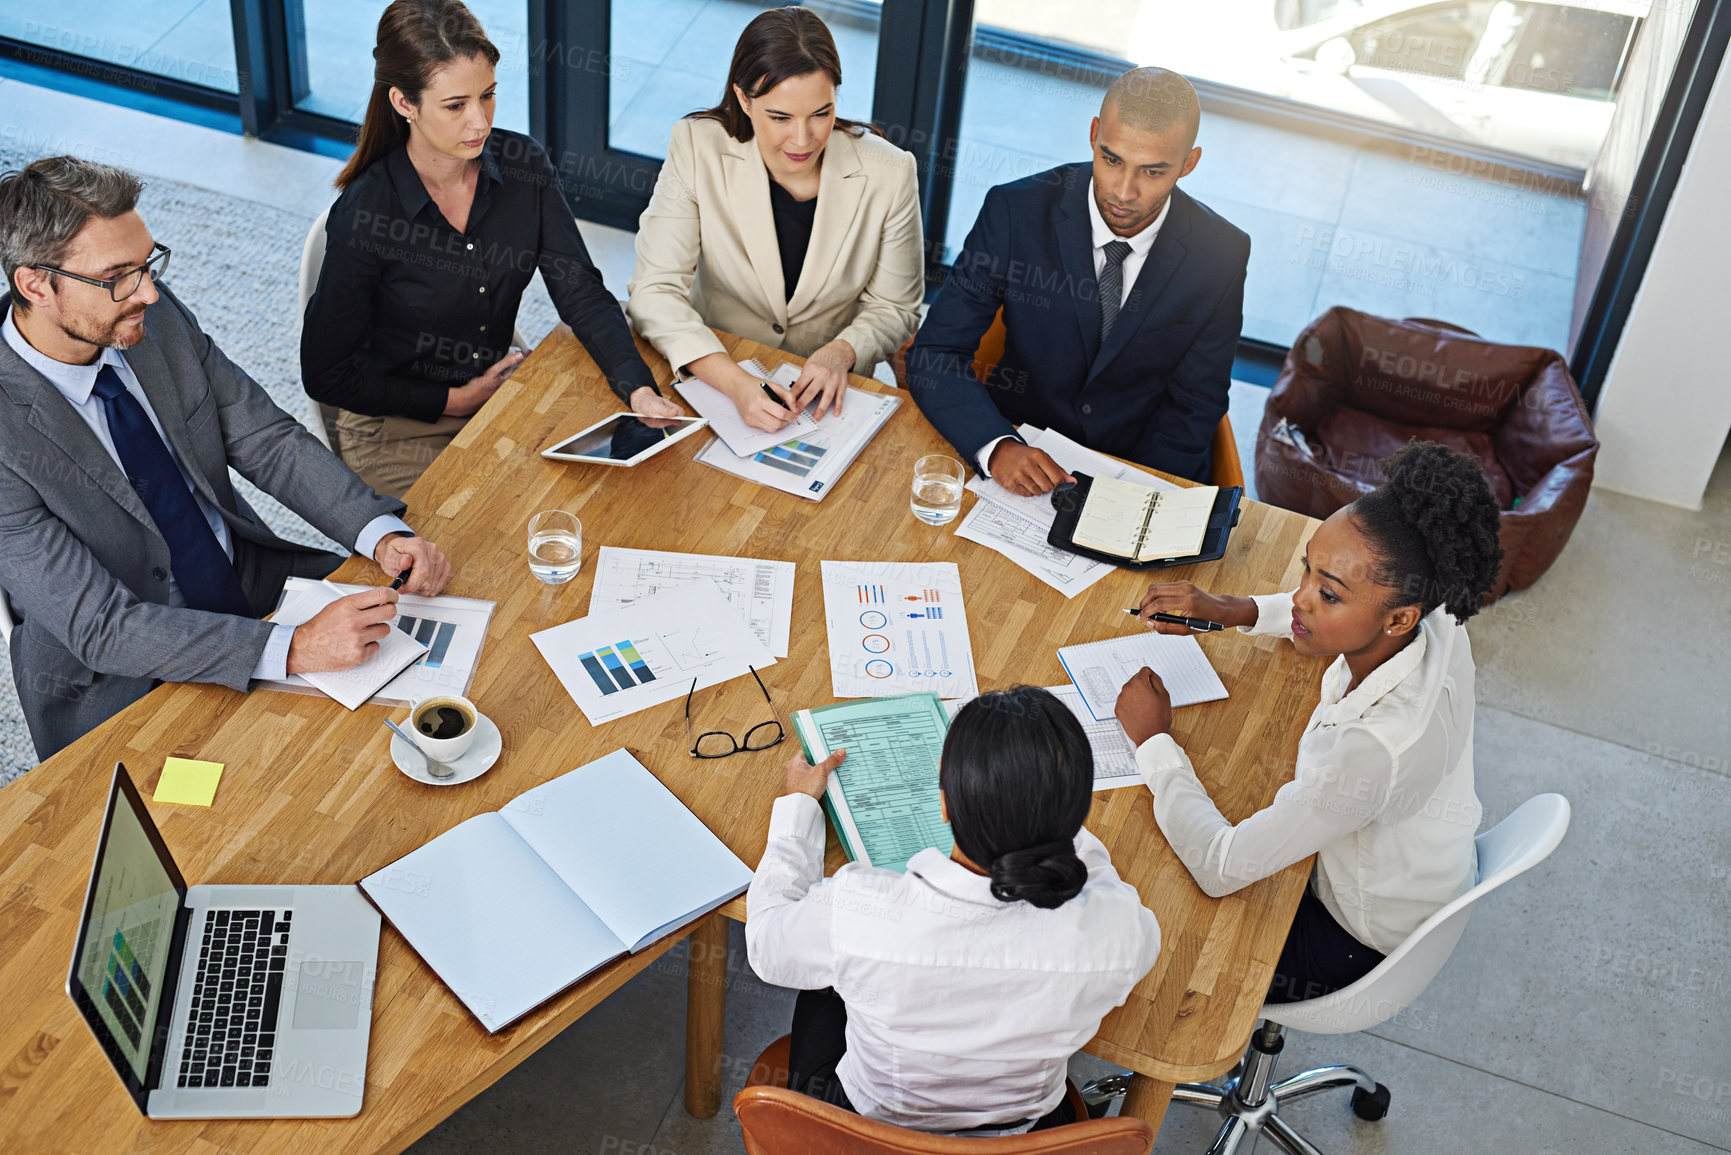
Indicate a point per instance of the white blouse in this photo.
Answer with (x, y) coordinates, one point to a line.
(962, 1010)
(1382, 794)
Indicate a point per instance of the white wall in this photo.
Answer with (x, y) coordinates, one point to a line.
(1665, 409)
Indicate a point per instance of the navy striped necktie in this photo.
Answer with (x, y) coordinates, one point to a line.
(202, 570)
(1112, 286)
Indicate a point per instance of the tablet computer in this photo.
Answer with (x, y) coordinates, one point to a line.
(624, 439)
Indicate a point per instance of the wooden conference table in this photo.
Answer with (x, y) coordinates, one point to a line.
(310, 796)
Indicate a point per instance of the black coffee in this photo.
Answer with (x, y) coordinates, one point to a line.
(443, 722)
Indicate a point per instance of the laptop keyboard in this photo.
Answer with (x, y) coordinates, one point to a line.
(231, 1032)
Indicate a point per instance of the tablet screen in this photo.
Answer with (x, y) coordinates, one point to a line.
(621, 438)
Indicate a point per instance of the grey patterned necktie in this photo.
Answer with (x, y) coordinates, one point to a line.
(1112, 286)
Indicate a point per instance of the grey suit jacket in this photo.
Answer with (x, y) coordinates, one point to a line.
(82, 562)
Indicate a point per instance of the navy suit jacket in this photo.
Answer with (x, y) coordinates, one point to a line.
(1156, 390)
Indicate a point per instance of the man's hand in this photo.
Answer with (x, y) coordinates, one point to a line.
(1186, 601)
(1144, 707)
(656, 411)
(463, 400)
(824, 378)
(804, 778)
(427, 566)
(1024, 470)
(343, 634)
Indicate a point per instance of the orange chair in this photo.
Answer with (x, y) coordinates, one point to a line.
(777, 1121)
(1226, 469)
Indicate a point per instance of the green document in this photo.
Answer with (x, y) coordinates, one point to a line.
(884, 800)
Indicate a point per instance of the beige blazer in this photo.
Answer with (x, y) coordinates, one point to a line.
(707, 255)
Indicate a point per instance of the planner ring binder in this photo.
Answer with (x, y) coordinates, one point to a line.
(1221, 520)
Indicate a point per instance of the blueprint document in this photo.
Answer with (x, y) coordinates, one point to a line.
(897, 628)
(762, 591)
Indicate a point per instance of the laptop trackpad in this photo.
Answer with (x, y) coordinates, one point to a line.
(329, 995)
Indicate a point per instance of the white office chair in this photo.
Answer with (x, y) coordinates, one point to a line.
(1250, 1100)
(321, 419)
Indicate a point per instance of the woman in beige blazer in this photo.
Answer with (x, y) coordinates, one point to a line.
(768, 223)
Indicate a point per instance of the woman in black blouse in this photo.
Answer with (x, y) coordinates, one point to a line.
(441, 223)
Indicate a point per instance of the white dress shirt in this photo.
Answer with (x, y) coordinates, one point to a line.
(1382, 795)
(77, 383)
(1103, 236)
(962, 1010)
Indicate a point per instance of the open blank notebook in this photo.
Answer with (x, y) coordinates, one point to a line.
(512, 907)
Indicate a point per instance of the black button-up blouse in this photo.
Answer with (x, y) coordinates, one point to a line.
(407, 307)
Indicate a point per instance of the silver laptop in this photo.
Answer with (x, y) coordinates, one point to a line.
(245, 1002)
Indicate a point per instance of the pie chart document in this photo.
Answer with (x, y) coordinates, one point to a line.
(897, 628)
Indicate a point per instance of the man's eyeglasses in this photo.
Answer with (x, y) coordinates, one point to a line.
(126, 284)
(720, 744)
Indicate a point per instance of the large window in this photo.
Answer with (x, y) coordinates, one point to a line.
(1499, 164)
(670, 57)
(1408, 225)
(338, 38)
(190, 41)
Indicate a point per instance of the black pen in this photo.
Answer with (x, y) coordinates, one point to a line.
(402, 577)
(1202, 624)
(774, 396)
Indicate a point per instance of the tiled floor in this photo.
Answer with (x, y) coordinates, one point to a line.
(1584, 1010)
(1330, 223)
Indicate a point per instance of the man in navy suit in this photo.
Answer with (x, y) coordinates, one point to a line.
(1122, 300)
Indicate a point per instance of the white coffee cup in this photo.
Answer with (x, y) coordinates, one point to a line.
(444, 749)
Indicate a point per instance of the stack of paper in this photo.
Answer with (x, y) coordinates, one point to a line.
(618, 661)
(761, 591)
(1017, 526)
(450, 631)
(725, 421)
(397, 650)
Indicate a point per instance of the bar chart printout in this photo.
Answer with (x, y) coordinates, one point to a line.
(617, 661)
(884, 798)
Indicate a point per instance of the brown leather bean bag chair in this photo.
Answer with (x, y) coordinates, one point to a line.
(1355, 388)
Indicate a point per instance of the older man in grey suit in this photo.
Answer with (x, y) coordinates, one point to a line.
(124, 549)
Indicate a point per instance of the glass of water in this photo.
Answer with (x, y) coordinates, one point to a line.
(555, 546)
(937, 495)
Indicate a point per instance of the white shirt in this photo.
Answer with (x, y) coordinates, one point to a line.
(962, 1010)
(77, 383)
(1103, 236)
(1382, 795)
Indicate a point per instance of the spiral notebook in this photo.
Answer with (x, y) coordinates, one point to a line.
(1100, 669)
(1134, 522)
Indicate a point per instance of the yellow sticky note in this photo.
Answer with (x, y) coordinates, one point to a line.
(188, 781)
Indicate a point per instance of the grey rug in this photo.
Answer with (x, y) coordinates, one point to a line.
(236, 264)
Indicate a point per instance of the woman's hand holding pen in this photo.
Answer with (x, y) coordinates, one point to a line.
(1184, 600)
(824, 378)
(804, 778)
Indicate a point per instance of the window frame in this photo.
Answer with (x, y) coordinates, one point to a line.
(917, 101)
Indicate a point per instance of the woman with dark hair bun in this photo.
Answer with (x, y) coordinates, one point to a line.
(440, 224)
(1383, 790)
(775, 219)
(950, 998)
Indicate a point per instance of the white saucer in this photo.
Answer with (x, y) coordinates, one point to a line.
(476, 760)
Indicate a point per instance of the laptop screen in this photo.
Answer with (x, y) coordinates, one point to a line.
(122, 959)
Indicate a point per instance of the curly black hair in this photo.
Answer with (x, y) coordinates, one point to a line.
(1433, 527)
